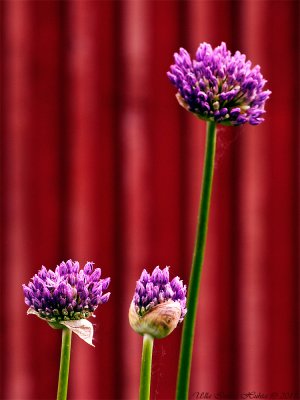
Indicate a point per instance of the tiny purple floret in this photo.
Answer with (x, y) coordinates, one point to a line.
(68, 293)
(157, 288)
(218, 86)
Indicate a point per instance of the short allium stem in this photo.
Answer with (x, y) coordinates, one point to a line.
(145, 378)
(194, 283)
(62, 389)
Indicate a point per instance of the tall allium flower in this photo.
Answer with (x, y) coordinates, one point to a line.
(157, 307)
(65, 298)
(68, 293)
(218, 86)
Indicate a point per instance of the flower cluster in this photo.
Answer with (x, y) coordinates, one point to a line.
(218, 86)
(68, 293)
(156, 288)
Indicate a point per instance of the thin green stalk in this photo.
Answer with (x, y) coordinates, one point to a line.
(145, 378)
(187, 341)
(62, 389)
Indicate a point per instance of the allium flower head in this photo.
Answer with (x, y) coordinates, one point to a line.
(218, 86)
(66, 294)
(158, 304)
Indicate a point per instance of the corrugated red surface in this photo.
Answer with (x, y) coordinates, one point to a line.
(98, 162)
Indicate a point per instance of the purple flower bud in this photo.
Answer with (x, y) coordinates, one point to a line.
(95, 276)
(172, 78)
(241, 119)
(38, 283)
(223, 111)
(235, 112)
(88, 268)
(37, 304)
(62, 289)
(67, 292)
(145, 277)
(218, 76)
(95, 300)
(168, 291)
(104, 298)
(96, 289)
(80, 285)
(140, 288)
(176, 283)
(157, 289)
(76, 267)
(43, 273)
(72, 279)
(62, 301)
(46, 293)
(105, 283)
(83, 294)
(165, 276)
(63, 269)
(27, 301)
(69, 266)
(157, 276)
(27, 292)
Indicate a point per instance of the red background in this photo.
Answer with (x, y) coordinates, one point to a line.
(98, 162)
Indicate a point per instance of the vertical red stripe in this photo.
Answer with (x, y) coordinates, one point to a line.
(136, 171)
(281, 208)
(91, 212)
(254, 301)
(18, 33)
(31, 192)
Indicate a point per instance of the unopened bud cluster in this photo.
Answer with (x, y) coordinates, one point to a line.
(158, 304)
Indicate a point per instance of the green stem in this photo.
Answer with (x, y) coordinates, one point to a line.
(62, 389)
(187, 341)
(145, 378)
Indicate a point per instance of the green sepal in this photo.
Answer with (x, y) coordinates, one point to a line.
(55, 325)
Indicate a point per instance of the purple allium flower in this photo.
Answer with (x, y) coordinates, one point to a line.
(158, 304)
(68, 293)
(218, 86)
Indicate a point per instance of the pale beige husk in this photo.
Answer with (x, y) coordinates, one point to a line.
(159, 322)
(82, 327)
